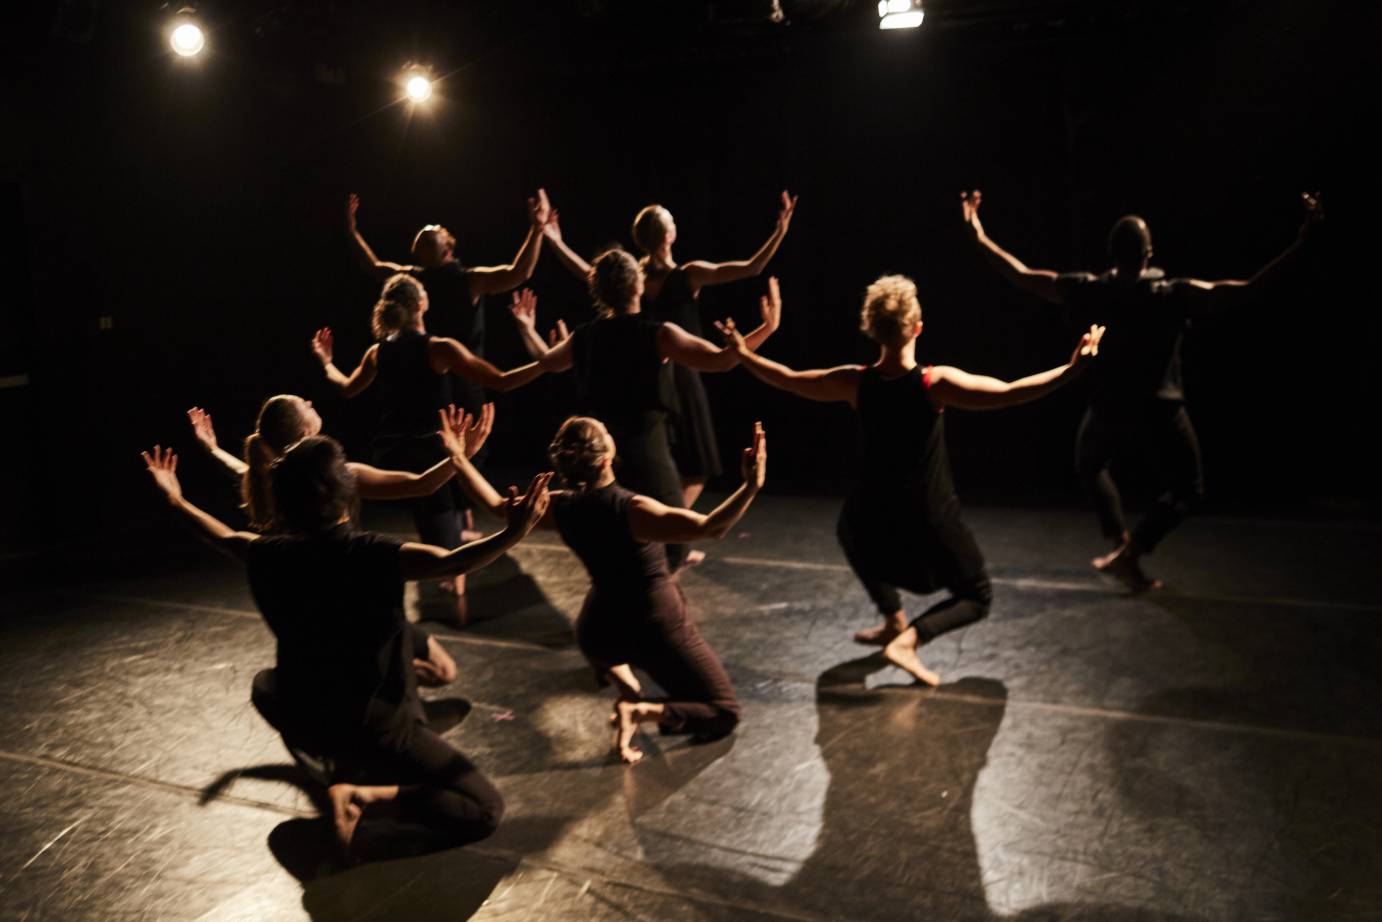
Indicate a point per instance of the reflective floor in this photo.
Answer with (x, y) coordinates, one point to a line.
(1208, 752)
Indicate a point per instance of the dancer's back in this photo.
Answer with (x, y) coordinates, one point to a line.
(410, 390)
(594, 523)
(904, 443)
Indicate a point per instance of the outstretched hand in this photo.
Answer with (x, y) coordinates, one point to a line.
(558, 334)
(352, 206)
(524, 308)
(553, 226)
(734, 340)
(754, 462)
(323, 345)
(539, 209)
(524, 512)
(969, 208)
(162, 466)
(784, 213)
(202, 428)
(770, 305)
(1088, 347)
(1314, 212)
(464, 434)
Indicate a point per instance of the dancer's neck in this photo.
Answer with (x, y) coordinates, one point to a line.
(898, 359)
(661, 258)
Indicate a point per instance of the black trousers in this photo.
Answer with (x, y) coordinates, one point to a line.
(1162, 432)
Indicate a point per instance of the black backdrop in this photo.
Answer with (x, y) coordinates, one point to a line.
(182, 231)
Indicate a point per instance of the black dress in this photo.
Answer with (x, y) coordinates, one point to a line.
(901, 525)
(694, 448)
(411, 393)
(635, 612)
(623, 381)
(343, 687)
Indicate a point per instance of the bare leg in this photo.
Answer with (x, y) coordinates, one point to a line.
(1124, 564)
(901, 651)
(630, 714)
(691, 488)
(892, 626)
(468, 530)
(348, 803)
(438, 669)
(625, 681)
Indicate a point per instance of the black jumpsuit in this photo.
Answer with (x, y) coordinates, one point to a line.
(635, 612)
(343, 687)
(694, 448)
(1137, 401)
(901, 525)
(411, 395)
(623, 381)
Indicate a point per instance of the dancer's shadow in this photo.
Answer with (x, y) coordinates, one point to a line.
(502, 601)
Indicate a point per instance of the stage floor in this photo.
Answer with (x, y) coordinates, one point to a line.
(1208, 752)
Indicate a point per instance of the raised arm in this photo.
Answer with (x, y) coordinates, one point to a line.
(374, 483)
(426, 561)
(1040, 282)
(565, 255)
(323, 347)
(683, 348)
(1212, 297)
(650, 520)
(377, 268)
(700, 273)
(454, 357)
(206, 438)
(524, 311)
(162, 465)
(490, 280)
(824, 384)
(953, 387)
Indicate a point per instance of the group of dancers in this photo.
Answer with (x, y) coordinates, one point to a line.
(343, 691)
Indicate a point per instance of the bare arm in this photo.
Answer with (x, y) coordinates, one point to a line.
(700, 273)
(377, 268)
(565, 255)
(426, 561)
(458, 445)
(651, 520)
(681, 347)
(206, 437)
(953, 387)
(1040, 282)
(524, 310)
(374, 483)
(323, 347)
(162, 466)
(489, 280)
(456, 358)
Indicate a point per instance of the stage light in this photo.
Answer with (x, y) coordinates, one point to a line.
(899, 14)
(187, 39)
(418, 88)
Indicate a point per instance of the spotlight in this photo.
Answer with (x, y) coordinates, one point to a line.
(418, 88)
(899, 14)
(187, 39)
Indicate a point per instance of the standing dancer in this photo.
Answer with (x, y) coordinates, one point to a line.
(901, 525)
(635, 613)
(672, 293)
(333, 597)
(622, 377)
(1137, 404)
(413, 369)
(457, 291)
(285, 420)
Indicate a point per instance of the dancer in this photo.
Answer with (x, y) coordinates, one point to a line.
(333, 597)
(672, 293)
(457, 291)
(287, 419)
(1137, 403)
(414, 371)
(635, 613)
(622, 377)
(901, 525)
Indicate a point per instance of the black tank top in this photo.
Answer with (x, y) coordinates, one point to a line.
(595, 524)
(676, 303)
(619, 371)
(411, 392)
(904, 443)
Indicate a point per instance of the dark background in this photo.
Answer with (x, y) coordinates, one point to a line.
(181, 221)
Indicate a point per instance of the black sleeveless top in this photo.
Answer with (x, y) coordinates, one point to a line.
(411, 392)
(619, 372)
(676, 303)
(594, 523)
(904, 444)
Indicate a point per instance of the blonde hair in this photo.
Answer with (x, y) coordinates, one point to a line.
(891, 310)
(280, 425)
(579, 450)
(650, 227)
(613, 281)
(399, 303)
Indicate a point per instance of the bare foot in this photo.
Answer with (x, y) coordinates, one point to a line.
(902, 653)
(1122, 565)
(694, 557)
(626, 716)
(883, 634)
(345, 812)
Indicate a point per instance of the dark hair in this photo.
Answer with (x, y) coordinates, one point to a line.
(578, 451)
(313, 489)
(279, 425)
(1129, 243)
(613, 281)
(650, 227)
(398, 305)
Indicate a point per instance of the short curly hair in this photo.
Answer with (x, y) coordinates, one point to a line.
(313, 487)
(891, 310)
(614, 279)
